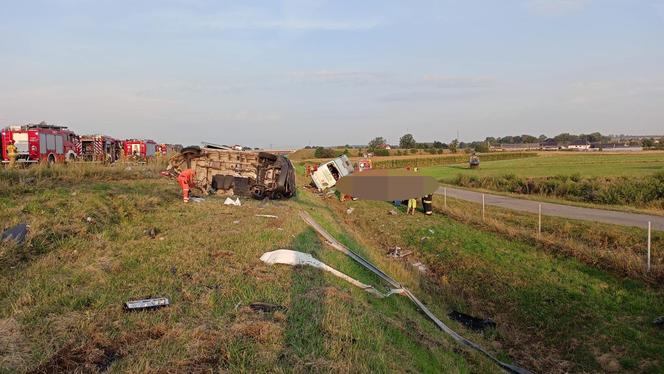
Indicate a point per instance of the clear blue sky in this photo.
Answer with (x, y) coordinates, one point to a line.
(290, 73)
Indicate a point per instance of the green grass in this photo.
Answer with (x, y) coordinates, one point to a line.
(586, 164)
(554, 312)
(61, 294)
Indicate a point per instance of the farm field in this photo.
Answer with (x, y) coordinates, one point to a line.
(545, 165)
(90, 249)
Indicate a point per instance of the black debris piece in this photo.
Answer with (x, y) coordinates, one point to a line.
(473, 323)
(17, 233)
(659, 321)
(152, 232)
(267, 308)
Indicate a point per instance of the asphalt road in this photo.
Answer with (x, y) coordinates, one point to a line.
(558, 210)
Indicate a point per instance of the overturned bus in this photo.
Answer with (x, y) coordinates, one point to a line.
(229, 172)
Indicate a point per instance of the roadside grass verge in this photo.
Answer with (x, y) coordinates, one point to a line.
(554, 313)
(61, 293)
(37, 177)
(620, 250)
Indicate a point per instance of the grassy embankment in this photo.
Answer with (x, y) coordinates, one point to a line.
(555, 312)
(612, 180)
(61, 296)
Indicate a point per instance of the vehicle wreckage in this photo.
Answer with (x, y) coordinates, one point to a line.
(229, 172)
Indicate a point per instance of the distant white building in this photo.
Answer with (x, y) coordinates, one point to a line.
(579, 145)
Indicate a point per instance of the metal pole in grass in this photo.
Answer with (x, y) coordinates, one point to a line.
(482, 207)
(539, 223)
(649, 228)
(445, 196)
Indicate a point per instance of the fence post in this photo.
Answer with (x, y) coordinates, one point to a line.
(539, 222)
(649, 237)
(483, 207)
(445, 198)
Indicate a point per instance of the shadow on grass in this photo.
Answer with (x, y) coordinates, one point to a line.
(304, 335)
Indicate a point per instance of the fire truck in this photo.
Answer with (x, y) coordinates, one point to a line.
(40, 143)
(142, 150)
(99, 148)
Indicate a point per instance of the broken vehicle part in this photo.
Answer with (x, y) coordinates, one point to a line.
(295, 258)
(154, 303)
(16, 233)
(473, 323)
(241, 173)
(230, 201)
(267, 308)
(266, 215)
(394, 284)
(329, 173)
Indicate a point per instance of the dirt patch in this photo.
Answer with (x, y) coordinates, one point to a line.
(13, 349)
(95, 356)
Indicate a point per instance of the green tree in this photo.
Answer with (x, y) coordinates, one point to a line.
(407, 141)
(454, 146)
(376, 142)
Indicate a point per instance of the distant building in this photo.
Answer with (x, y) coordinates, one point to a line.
(616, 147)
(549, 145)
(384, 146)
(579, 145)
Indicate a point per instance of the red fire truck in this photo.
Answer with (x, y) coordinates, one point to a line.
(99, 148)
(139, 149)
(40, 143)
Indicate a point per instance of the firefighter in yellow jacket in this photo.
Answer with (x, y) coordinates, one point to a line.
(12, 153)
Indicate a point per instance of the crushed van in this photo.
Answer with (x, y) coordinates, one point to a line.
(329, 173)
(237, 173)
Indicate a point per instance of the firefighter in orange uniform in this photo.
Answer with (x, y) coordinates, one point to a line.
(186, 180)
(12, 153)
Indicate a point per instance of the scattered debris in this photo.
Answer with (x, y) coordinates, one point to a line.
(420, 266)
(294, 258)
(89, 219)
(235, 202)
(17, 233)
(174, 270)
(152, 232)
(236, 222)
(154, 303)
(128, 168)
(659, 321)
(331, 241)
(397, 253)
(266, 216)
(350, 210)
(393, 212)
(473, 323)
(267, 308)
(197, 199)
(431, 231)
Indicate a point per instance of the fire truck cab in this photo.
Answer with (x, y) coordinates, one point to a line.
(40, 143)
(140, 149)
(99, 148)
